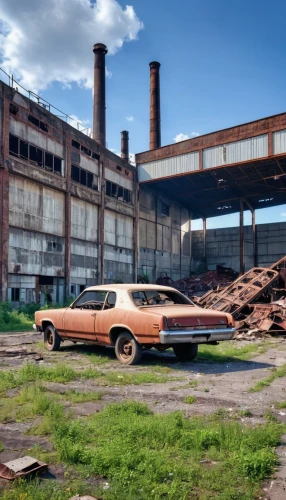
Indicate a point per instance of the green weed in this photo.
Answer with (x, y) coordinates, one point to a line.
(231, 351)
(189, 399)
(280, 405)
(277, 372)
(82, 397)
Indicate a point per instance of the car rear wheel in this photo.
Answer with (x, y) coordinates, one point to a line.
(51, 339)
(127, 350)
(186, 352)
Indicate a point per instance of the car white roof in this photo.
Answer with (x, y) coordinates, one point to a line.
(129, 286)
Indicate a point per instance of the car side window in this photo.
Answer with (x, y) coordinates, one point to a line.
(91, 299)
(110, 301)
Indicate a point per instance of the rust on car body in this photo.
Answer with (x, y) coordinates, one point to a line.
(132, 316)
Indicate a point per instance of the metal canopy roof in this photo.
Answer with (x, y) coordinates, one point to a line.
(217, 191)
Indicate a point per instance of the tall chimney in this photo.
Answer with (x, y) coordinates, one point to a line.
(125, 145)
(99, 126)
(155, 114)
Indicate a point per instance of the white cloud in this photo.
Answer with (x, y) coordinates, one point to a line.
(283, 214)
(46, 41)
(183, 137)
(130, 118)
(118, 153)
(180, 137)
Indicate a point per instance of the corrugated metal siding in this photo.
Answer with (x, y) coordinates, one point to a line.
(279, 142)
(235, 152)
(169, 166)
(213, 157)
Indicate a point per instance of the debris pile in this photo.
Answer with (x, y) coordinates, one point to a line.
(257, 300)
(199, 284)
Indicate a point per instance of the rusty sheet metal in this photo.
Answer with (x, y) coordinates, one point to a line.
(245, 289)
(267, 317)
(21, 467)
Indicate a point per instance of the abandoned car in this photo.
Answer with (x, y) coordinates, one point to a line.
(133, 318)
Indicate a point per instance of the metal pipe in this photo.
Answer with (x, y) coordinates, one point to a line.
(125, 145)
(204, 237)
(254, 238)
(99, 120)
(155, 113)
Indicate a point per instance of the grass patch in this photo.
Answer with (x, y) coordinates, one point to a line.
(144, 455)
(280, 405)
(154, 456)
(189, 399)
(134, 378)
(231, 351)
(82, 397)
(276, 373)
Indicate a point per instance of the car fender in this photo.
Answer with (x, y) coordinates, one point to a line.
(121, 327)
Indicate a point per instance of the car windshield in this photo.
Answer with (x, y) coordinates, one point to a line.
(158, 297)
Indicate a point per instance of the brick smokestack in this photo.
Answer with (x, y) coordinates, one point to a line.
(125, 145)
(99, 125)
(155, 113)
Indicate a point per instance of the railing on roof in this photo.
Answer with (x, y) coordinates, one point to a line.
(9, 80)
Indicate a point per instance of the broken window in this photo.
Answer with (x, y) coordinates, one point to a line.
(53, 246)
(108, 188)
(165, 209)
(127, 196)
(83, 177)
(13, 109)
(43, 126)
(118, 168)
(24, 146)
(36, 155)
(15, 294)
(49, 163)
(120, 193)
(114, 190)
(75, 173)
(95, 156)
(13, 145)
(89, 180)
(86, 150)
(75, 144)
(57, 165)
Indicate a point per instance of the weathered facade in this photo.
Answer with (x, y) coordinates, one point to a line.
(68, 207)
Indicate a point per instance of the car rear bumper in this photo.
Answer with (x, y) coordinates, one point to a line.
(195, 336)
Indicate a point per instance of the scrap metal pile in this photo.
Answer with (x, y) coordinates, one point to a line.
(257, 300)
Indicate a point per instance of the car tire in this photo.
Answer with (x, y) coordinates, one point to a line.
(185, 352)
(127, 349)
(51, 339)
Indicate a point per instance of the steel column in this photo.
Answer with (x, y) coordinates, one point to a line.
(241, 238)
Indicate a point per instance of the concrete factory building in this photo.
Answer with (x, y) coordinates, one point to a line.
(73, 214)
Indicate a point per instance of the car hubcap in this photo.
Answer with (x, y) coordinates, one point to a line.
(50, 338)
(126, 349)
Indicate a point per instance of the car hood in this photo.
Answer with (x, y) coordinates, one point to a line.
(189, 316)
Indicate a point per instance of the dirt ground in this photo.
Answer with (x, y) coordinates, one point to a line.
(216, 385)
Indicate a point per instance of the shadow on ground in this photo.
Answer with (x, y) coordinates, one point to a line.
(153, 359)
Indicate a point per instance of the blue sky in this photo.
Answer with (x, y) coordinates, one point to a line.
(223, 63)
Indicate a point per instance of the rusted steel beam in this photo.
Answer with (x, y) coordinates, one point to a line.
(204, 237)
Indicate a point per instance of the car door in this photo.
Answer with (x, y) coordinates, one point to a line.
(106, 318)
(79, 320)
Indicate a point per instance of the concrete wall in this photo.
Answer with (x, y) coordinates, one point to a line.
(164, 236)
(222, 246)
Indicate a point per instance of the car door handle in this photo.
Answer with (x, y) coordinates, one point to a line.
(94, 314)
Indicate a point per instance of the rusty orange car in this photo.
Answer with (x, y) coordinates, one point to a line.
(133, 318)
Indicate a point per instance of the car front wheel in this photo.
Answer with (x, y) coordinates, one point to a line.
(51, 339)
(127, 350)
(185, 352)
